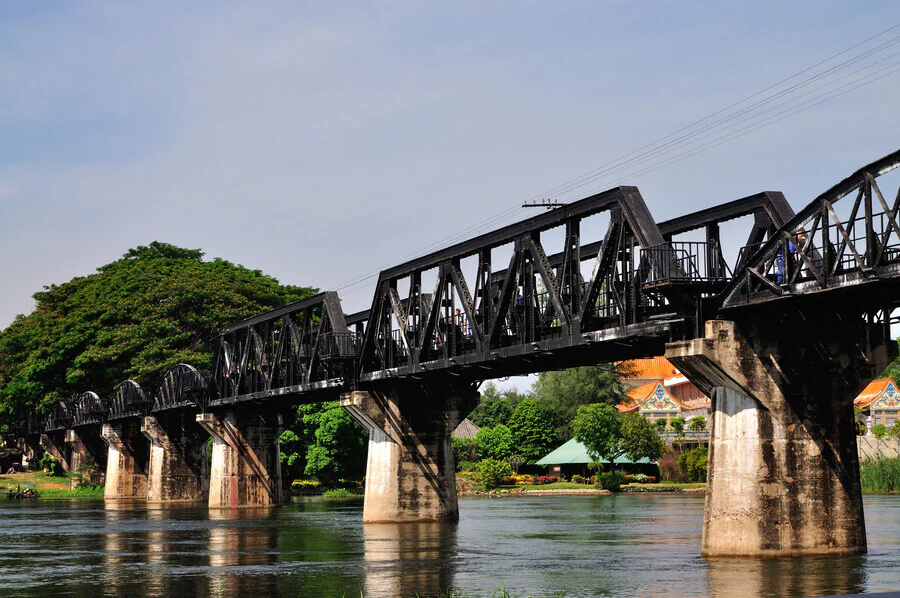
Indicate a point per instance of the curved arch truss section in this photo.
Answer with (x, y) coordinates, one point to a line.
(302, 347)
(60, 418)
(182, 386)
(130, 401)
(595, 272)
(88, 408)
(847, 239)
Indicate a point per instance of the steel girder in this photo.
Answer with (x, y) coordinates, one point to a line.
(303, 347)
(130, 401)
(818, 251)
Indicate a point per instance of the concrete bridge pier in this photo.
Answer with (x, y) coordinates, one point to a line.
(126, 461)
(410, 474)
(783, 474)
(178, 463)
(245, 470)
(55, 444)
(88, 452)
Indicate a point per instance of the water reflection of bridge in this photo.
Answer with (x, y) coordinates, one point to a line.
(781, 335)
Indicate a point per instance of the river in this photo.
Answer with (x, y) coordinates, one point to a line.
(625, 545)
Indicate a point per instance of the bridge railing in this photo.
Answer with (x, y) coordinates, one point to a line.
(685, 262)
(60, 418)
(88, 409)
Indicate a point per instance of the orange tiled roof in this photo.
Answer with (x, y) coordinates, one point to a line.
(871, 392)
(639, 394)
(654, 368)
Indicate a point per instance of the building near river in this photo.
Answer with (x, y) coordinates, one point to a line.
(572, 458)
(657, 390)
(880, 402)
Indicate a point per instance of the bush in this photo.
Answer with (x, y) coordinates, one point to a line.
(668, 468)
(305, 484)
(545, 479)
(493, 471)
(51, 464)
(880, 431)
(611, 480)
(577, 479)
(641, 478)
(465, 450)
(693, 464)
(508, 481)
(467, 466)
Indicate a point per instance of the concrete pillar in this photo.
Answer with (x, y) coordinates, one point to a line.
(178, 463)
(245, 469)
(55, 444)
(126, 461)
(410, 474)
(783, 476)
(88, 453)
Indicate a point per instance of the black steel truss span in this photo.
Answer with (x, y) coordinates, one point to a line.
(183, 386)
(632, 286)
(304, 347)
(88, 408)
(130, 401)
(817, 250)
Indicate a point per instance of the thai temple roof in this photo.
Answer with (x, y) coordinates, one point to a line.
(881, 391)
(652, 395)
(654, 368)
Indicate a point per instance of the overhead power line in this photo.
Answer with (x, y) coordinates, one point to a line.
(764, 109)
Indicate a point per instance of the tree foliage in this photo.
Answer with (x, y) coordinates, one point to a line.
(494, 407)
(598, 428)
(563, 392)
(134, 318)
(532, 430)
(338, 447)
(640, 438)
(494, 443)
(697, 423)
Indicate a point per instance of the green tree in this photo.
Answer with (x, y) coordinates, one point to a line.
(493, 471)
(532, 430)
(134, 318)
(894, 431)
(563, 392)
(661, 425)
(640, 438)
(464, 449)
(697, 424)
(677, 424)
(880, 431)
(338, 449)
(598, 428)
(494, 443)
(494, 407)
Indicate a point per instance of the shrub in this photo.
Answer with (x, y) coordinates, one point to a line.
(493, 471)
(465, 450)
(641, 478)
(338, 493)
(523, 478)
(612, 480)
(51, 464)
(545, 479)
(467, 466)
(305, 484)
(577, 479)
(880, 431)
(693, 464)
(668, 468)
(508, 481)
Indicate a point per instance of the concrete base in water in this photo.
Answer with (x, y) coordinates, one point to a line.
(783, 476)
(410, 474)
(177, 462)
(246, 459)
(126, 461)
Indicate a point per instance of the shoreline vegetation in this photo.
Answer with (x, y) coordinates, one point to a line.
(49, 487)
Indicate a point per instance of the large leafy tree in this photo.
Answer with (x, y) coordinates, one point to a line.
(608, 435)
(495, 443)
(563, 392)
(532, 430)
(134, 318)
(338, 447)
(495, 407)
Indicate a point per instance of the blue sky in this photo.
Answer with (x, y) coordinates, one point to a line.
(263, 134)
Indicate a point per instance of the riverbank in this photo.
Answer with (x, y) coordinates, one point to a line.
(47, 486)
(569, 488)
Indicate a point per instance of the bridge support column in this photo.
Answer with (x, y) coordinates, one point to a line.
(410, 474)
(246, 458)
(783, 476)
(178, 469)
(88, 452)
(126, 461)
(54, 443)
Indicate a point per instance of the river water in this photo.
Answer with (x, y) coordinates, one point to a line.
(625, 545)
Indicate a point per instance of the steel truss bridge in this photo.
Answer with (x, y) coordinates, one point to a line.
(593, 281)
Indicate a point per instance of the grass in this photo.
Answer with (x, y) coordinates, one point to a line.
(880, 476)
(47, 486)
(553, 486)
(681, 485)
(340, 493)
